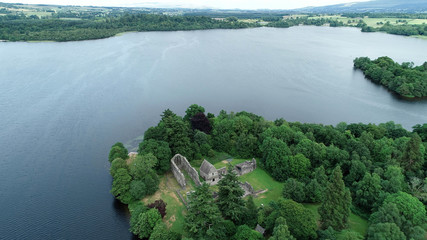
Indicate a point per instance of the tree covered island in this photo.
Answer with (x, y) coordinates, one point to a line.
(312, 181)
(403, 79)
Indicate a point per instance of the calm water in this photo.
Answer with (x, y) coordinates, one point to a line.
(62, 105)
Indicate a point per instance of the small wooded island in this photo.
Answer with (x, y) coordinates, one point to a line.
(403, 79)
(307, 181)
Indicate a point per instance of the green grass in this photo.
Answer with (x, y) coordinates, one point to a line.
(372, 22)
(175, 208)
(356, 223)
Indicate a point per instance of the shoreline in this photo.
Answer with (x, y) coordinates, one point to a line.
(125, 32)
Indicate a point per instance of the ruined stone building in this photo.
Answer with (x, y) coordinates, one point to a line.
(245, 167)
(178, 163)
(210, 174)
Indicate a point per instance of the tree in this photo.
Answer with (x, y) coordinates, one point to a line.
(294, 190)
(394, 180)
(245, 233)
(121, 186)
(230, 201)
(202, 213)
(314, 190)
(410, 207)
(281, 231)
(144, 223)
(275, 154)
(200, 122)
(387, 213)
(413, 156)
(161, 150)
(369, 192)
(176, 134)
(301, 221)
(298, 166)
(118, 151)
(160, 205)
(251, 216)
(161, 232)
(335, 208)
(116, 164)
(192, 110)
(137, 189)
(142, 165)
(383, 231)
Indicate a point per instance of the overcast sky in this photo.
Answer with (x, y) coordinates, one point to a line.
(222, 4)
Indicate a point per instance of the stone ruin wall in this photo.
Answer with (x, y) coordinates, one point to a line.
(249, 190)
(179, 163)
(178, 174)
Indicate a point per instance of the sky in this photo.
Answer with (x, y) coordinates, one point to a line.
(220, 4)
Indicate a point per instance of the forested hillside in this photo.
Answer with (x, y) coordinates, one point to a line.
(377, 171)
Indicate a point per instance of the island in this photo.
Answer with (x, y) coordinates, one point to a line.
(239, 176)
(404, 79)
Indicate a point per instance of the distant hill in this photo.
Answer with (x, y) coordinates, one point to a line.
(400, 6)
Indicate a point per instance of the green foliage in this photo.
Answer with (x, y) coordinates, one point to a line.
(251, 213)
(294, 190)
(245, 233)
(176, 133)
(143, 225)
(335, 208)
(161, 150)
(369, 194)
(52, 29)
(413, 156)
(394, 180)
(121, 186)
(142, 165)
(230, 201)
(161, 232)
(116, 164)
(402, 79)
(298, 166)
(202, 212)
(281, 231)
(275, 155)
(409, 207)
(137, 189)
(192, 110)
(301, 221)
(383, 231)
(118, 151)
(421, 130)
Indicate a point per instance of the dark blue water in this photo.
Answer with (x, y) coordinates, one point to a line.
(62, 105)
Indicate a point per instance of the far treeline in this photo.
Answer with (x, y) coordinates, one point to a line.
(403, 79)
(23, 28)
(75, 26)
(377, 171)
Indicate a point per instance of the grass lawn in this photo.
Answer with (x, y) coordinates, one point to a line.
(260, 180)
(356, 223)
(175, 208)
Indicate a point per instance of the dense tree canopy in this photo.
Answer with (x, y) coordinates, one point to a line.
(403, 79)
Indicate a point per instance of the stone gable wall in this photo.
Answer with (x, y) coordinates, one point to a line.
(178, 163)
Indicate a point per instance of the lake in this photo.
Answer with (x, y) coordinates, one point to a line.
(62, 106)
